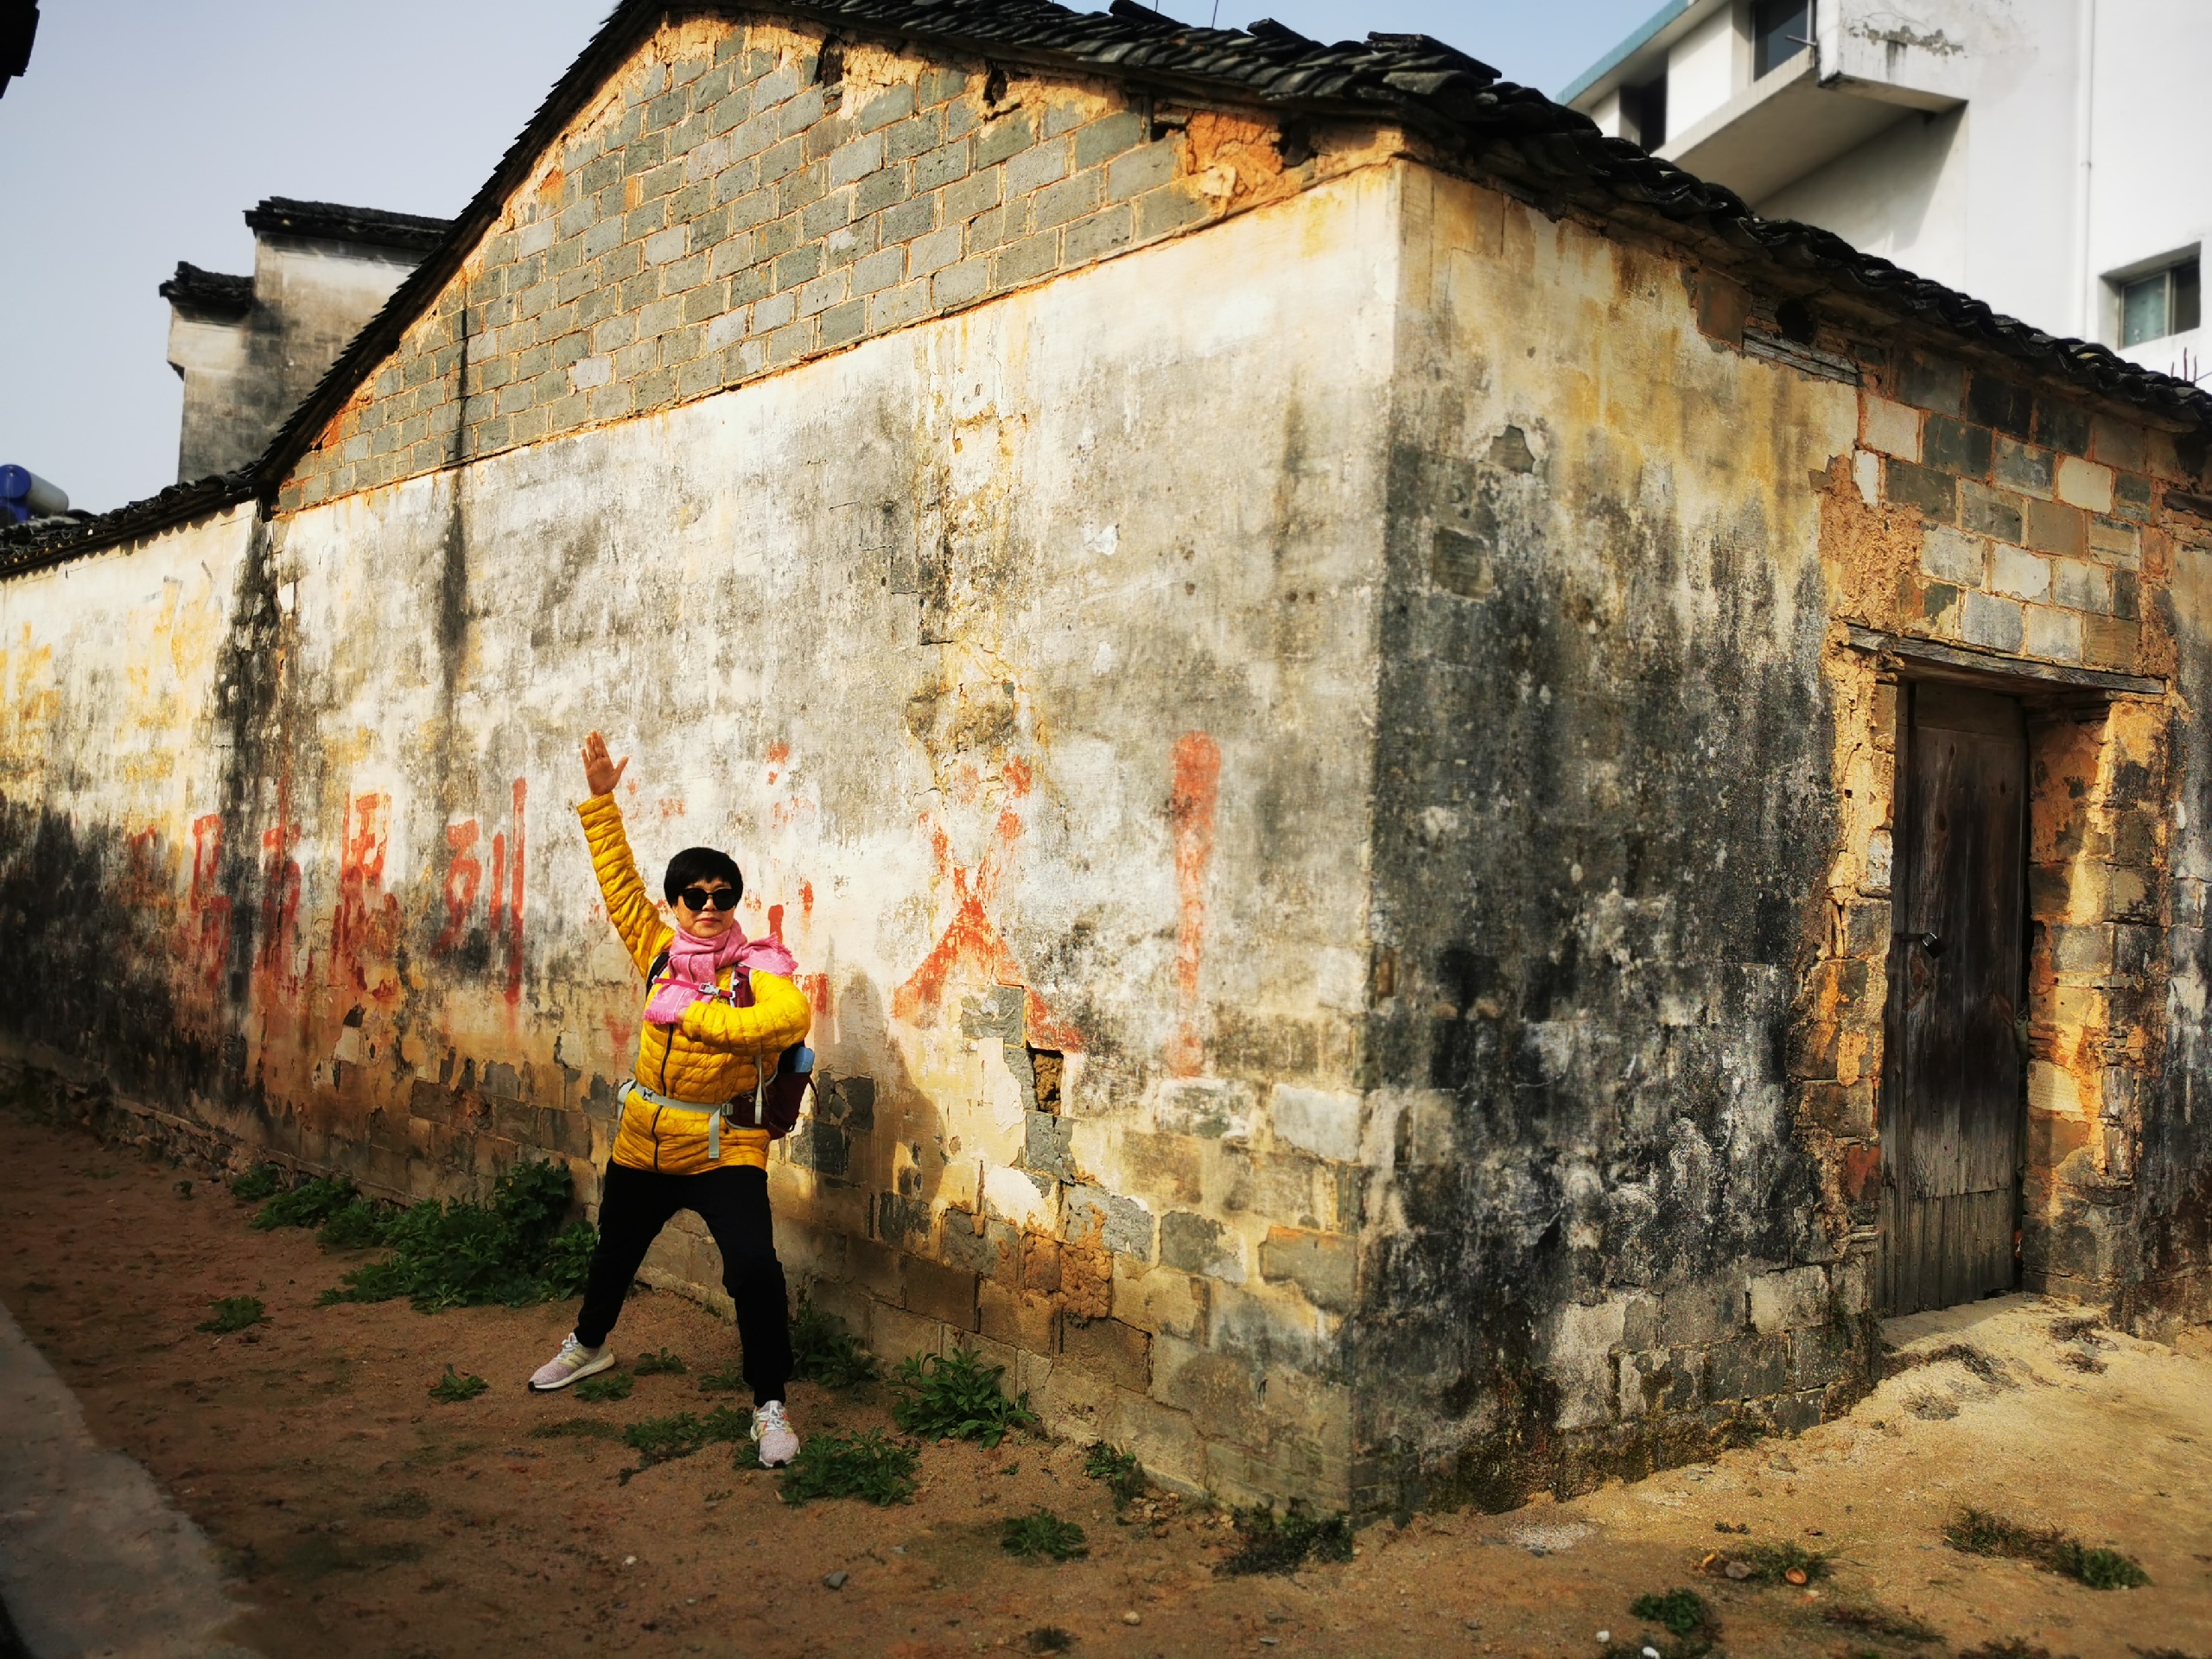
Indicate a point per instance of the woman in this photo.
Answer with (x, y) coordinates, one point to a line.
(720, 1012)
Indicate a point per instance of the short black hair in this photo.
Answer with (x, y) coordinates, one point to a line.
(701, 864)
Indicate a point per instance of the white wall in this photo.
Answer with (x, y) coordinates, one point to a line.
(1701, 71)
(1900, 194)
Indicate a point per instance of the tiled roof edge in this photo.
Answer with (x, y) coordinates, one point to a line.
(333, 221)
(53, 541)
(213, 291)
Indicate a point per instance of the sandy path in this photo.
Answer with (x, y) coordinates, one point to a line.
(356, 1516)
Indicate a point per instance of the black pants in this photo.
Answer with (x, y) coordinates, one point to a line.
(634, 1205)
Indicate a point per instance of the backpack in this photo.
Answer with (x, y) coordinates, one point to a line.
(778, 1097)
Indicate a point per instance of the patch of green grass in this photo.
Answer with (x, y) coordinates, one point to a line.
(184, 1189)
(956, 1397)
(1686, 1618)
(607, 1385)
(308, 1204)
(233, 1314)
(578, 1429)
(664, 1439)
(1123, 1474)
(408, 1503)
(869, 1466)
(1978, 1532)
(1042, 1535)
(363, 1224)
(1282, 1543)
(659, 1363)
(728, 1380)
(452, 1254)
(823, 1351)
(453, 1390)
(260, 1182)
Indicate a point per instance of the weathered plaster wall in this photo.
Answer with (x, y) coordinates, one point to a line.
(1022, 658)
(1603, 815)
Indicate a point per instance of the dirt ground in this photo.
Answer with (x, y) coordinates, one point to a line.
(360, 1517)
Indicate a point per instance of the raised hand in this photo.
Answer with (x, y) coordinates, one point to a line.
(600, 772)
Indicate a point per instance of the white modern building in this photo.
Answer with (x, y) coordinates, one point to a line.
(2045, 155)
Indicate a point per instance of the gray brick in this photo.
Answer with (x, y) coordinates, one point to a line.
(853, 242)
(916, 136)
(879, 191)
(661, 316)
(1104, 139)
(880, 271)
(854, 162)
(1069, 199)
(789, 345)
(832, 211)
(681, 345)
(1007, 137)
(1989, 512)
(775, 311)
(2081, 587)
(799, 265)
(1028, 260)
(706, 301)
(1099, 235)
(825, 291)
(898, 307)
(885, 107)
(778, 237)
(842, 324)
(943, 166)
(662, 181)
(643, 154)
(1995, 623)
(799, 111)
(601, 237)
(1139, 171)
(780, 160)
(664, 245)
(2023, 467)
(970, 196)
(909, 219)
(827, 135)
(936, 249)
(1171, 208)
(938, 83)
(958, 284)
(1035, 168)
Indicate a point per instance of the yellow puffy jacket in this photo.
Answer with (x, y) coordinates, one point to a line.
(708, 1057)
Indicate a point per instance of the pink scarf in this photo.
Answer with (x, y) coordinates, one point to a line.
(694, 964)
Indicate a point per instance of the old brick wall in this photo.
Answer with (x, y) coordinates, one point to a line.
(1012, 655)
(733, 206)
(1604, 805)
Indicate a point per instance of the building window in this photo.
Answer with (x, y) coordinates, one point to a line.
(1780, 30)
(1643, 113)
(2164, 302)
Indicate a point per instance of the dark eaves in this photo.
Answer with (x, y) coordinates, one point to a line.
(1557, 155)
(209, 294)
(330, 221)
(18, 29)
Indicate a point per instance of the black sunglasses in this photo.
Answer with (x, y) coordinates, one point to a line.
(696, 899)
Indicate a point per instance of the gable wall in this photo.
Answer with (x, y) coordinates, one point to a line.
(720, 214)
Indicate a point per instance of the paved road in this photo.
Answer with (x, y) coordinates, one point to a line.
(96, 1562)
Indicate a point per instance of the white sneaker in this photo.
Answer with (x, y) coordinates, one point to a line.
(778, 1442)
(572, 1364)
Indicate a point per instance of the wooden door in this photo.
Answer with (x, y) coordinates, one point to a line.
(1954, 1106)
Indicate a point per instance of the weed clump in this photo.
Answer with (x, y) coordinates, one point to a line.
(362, 1224)
(660, 1364)
(451, 1390)
(956, 1397)
(1683, 1614)
(664, 1439)
(1042, 1535)
(823, 1351)
(1275, 1543)
(728, 1380)
(260, 1182)
(1782, 1563)
(869, 1466)
(453, 1254)
(1978, 1532)
(233, 1314)
(308, 1204)
(607, 1385)
(1122, 1474)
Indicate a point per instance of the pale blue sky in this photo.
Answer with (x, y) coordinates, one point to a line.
(145, 128)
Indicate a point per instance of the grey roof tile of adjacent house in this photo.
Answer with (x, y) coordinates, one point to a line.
(209, 293)
(330, 221)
